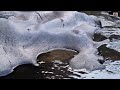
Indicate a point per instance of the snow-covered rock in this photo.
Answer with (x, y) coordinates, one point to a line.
(115, 45)
(112, 71)
(109, 32)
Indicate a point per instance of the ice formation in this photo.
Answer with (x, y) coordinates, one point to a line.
(25, 35)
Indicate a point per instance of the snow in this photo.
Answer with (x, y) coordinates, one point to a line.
(25, 35)
(112, 33)
(115, 45)
(112, 71)
(106, 22)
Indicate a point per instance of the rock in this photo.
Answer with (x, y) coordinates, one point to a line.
(115, 45)
(109, 32)
(108, 53)
(59, 54)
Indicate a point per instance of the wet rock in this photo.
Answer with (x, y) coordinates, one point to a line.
(115, 45)
(26, 71)
(105, 18)
(109, 32)
(108, 20)
(58, 54)
(98, 37)
(108, 53)
(44, 71)
(96, 13)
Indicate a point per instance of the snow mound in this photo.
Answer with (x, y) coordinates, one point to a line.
(25, 35)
